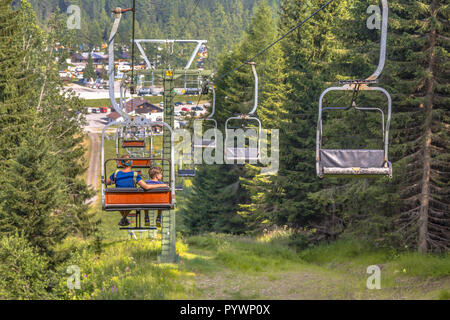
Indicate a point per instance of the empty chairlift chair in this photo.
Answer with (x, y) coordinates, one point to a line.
(360, 162)
(199, 140)
(242, 152)
(187, 171)
(134, 143)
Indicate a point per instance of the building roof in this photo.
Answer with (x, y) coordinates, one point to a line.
(139, 105)
(85, 55)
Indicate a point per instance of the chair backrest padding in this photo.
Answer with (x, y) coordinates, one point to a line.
(137, 164)
(351, 158)
(137, 198)
(133, 144)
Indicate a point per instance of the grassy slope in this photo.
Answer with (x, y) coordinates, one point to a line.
(228, 267)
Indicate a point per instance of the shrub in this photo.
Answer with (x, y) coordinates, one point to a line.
(23, 271)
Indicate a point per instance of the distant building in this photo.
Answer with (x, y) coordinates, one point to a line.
(138, 106)
(98, 58)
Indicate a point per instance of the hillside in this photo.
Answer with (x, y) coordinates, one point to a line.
(221, 22)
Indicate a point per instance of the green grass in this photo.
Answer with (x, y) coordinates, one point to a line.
(424, 265)
(444, 295)
(216, 266)
(129, 270)
(357, 253)
(244, 254)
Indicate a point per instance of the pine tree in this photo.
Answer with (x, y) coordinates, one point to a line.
(34, 194)
(311, 53)
(16, 78)
(63, 119)
(213, 202)
(263, 204)
(418, 75)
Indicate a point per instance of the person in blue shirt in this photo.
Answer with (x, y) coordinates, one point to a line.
(155, 174)
(127, 178)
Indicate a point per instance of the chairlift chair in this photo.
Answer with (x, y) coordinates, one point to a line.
(361, 162)
(115, 199)
(200, 141)
(133, 141)
(186, 172)
(249, 153)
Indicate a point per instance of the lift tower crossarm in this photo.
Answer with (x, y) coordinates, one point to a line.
(191, 59)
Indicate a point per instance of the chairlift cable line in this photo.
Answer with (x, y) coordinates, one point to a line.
(132, 91)
(278, 40)
(275, 42)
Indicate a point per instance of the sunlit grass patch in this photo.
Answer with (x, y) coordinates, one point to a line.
(356, 253)
(244, 253)
(130, 270)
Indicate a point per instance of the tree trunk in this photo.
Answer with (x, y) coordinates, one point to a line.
(425, 194)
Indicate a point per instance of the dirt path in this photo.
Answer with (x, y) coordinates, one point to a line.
(94, 167)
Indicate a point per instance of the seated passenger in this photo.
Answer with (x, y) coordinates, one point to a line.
(127, 178)
(155, 174)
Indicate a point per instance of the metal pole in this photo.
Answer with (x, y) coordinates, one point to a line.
(256, 88)
(384, 26)
(111, 71)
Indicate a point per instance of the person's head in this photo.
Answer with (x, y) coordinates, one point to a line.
(124, 162)
(155, 173)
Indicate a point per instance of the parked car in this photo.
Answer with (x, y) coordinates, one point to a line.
(103, 110)
(95, 110)
(185, 109)
(190, 102)
(192, 91)
(178, 103)
(144, 92)
(197, 108)
(161, 104)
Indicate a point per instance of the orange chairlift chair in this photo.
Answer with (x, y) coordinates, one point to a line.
(118, 199)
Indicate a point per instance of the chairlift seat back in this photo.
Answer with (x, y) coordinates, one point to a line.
(241, 153)
(137, 199)
(133, 144)
(205, 143)
(353, 162)
(186, 173)
(136, 164)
